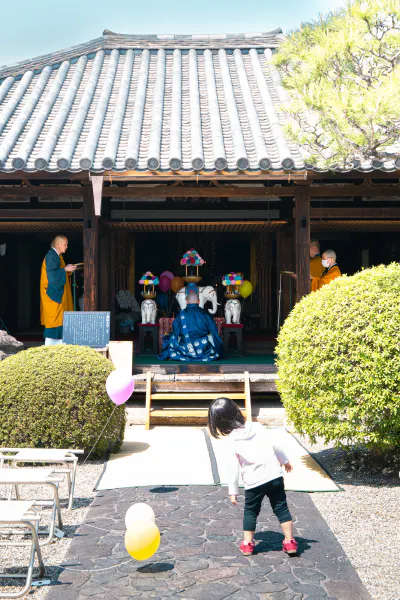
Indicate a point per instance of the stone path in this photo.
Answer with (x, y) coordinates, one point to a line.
(198, 557)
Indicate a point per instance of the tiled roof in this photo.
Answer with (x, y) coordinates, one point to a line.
(149, 103)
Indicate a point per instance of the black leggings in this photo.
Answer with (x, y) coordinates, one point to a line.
(275, 491)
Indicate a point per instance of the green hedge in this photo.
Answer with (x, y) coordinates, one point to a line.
(339, 360)
(55, 397)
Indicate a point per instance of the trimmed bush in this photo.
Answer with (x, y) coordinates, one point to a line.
(55, 397)
(339, 360)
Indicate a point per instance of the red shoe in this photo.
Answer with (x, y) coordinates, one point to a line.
(291, 547)
(247, 548)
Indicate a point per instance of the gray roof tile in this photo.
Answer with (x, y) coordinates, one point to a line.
(159, 102)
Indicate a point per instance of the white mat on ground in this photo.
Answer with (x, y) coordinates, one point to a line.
(307, 474)
(179, 456)
(159, 456)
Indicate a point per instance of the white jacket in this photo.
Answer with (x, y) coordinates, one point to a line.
(252, 452)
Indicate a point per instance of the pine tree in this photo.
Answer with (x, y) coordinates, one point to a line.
(343, 76)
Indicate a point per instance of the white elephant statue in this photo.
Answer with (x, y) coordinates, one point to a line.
(149, 311)
(206, 294)
(233, 308)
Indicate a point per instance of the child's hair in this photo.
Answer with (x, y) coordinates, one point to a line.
(224, 416)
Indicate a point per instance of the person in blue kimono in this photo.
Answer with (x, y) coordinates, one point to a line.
(194, 336)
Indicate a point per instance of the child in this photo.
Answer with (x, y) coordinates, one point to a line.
(260, 464)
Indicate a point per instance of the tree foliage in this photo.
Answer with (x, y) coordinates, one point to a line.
(55, 397)
(343, 75)
(339, 360)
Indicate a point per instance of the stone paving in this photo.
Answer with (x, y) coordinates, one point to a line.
(198, 558)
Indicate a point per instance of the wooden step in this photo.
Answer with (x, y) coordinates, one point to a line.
(192, 412)
(191, 396)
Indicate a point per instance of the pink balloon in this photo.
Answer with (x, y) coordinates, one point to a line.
(119, 386)
(168, 274)
(165, 283)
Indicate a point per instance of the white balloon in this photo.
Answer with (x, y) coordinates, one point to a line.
(139, 512)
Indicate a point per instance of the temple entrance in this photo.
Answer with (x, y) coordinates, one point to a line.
(249, 249)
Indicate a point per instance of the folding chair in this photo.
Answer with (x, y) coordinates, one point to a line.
(24, 515)
(16, 478)
(46, 456)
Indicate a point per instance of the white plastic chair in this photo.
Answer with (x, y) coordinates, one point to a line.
(46, 456)
(24, 515)
(17, 478)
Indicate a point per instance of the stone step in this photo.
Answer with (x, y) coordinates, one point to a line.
(266, 411)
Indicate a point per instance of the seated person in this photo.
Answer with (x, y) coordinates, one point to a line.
(194, 336)
(331, 272)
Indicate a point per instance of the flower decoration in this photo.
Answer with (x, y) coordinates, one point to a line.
(191, 257)
(232, 279)
(149, 279)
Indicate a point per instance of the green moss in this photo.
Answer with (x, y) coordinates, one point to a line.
(55, 397)
(339, 360)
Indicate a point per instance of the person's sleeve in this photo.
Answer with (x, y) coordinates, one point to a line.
(280, 454)
(316, 283)
(233, 473)
(55, 275)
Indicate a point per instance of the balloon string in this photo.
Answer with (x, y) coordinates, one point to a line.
(102, 431)
(96, 570)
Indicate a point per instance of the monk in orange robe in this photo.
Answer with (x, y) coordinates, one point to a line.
(316, 268)
(330, 273)
(55, 291)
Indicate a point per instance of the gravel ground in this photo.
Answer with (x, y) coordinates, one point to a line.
(53, 554)
(365, 520)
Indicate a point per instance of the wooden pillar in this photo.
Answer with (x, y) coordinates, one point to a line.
(104, 266)
(302, 227)
(285, 261)
(112, 281)
(90, 250)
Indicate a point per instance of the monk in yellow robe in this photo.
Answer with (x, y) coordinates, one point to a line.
(330, 273)
(316, 268)
(55, 291)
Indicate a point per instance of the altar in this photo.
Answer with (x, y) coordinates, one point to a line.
(159, 329)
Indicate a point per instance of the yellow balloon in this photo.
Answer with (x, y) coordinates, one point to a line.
(245, 289)
(142, 539)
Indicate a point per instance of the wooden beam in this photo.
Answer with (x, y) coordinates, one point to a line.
(302, 228)
(42, 214)
(355, 213)
(205, 176)
(232, 191)
(343, 191)
(191, 215)
(90, 250)
(41, 191)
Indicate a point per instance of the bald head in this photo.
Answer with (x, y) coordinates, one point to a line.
(192, 298)
(328, 258)
(60, 243)
(329, 254)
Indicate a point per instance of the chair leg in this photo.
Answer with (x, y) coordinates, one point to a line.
(148, 400)
(72, 489)
(58, 507)
(35, 548)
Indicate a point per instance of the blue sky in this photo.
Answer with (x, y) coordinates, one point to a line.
(34, 27)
